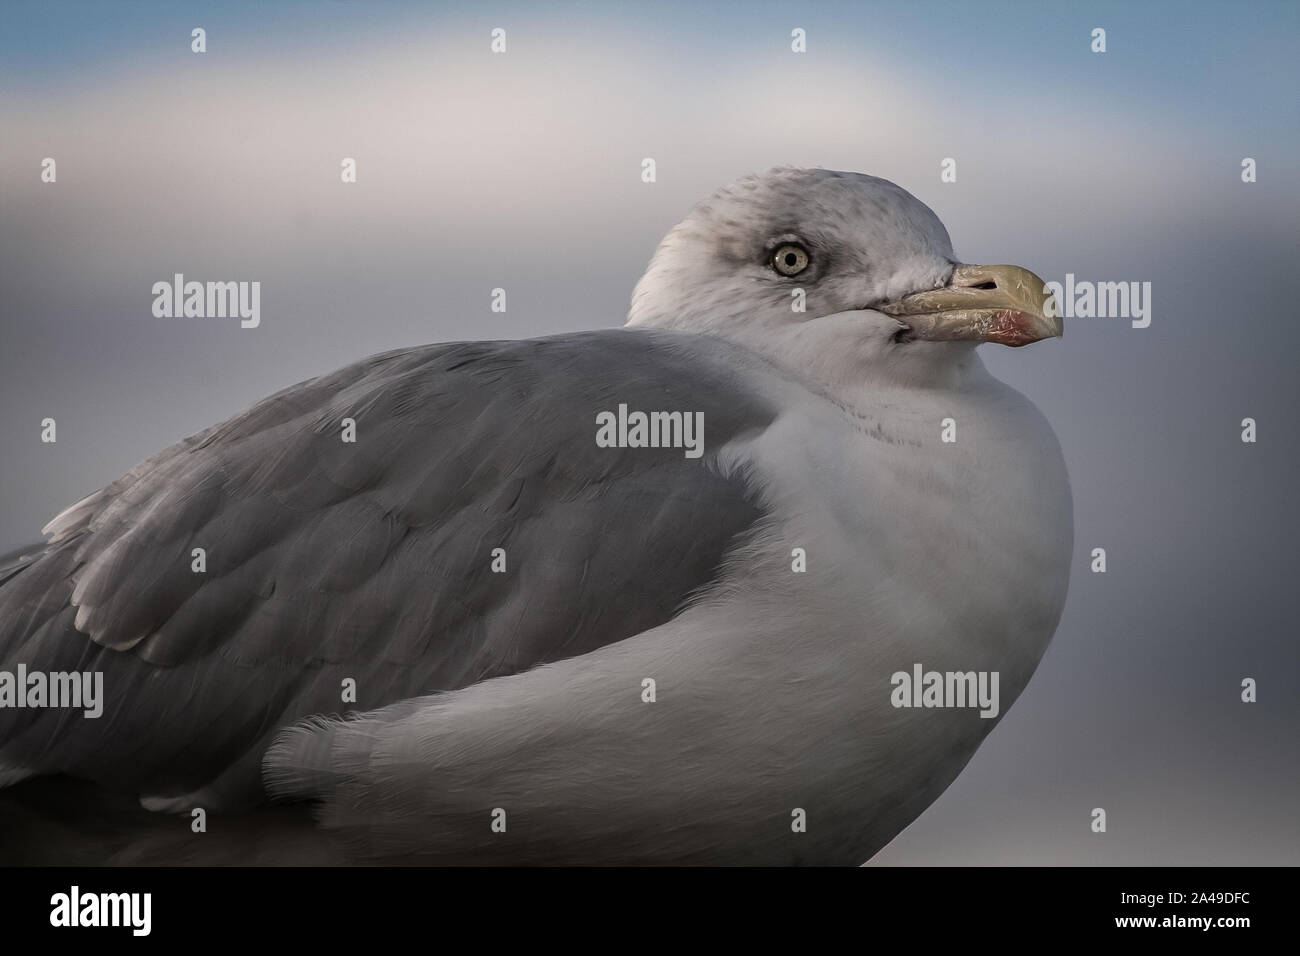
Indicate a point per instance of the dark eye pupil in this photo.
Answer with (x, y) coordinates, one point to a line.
(791, 258)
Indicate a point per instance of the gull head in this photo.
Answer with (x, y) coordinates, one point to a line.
(841, 273)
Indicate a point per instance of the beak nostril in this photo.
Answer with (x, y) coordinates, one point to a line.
(985, 285)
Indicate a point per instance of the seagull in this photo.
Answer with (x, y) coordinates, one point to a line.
(636, 596)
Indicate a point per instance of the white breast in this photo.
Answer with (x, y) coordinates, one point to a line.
(951, 555)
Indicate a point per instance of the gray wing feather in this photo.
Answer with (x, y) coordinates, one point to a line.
(371, 560)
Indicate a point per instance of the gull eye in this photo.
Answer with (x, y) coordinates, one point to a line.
(790, 259)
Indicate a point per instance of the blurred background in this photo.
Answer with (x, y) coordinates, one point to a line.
(522, 170)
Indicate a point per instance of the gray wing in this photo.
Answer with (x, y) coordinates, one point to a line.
(372, 560)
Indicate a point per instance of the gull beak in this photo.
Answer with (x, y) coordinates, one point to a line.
(1004, 304)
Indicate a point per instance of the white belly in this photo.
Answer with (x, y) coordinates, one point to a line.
(951, 556)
